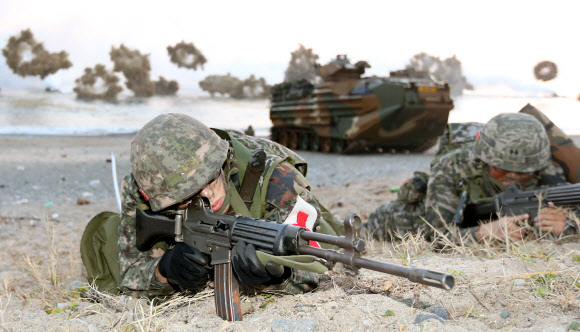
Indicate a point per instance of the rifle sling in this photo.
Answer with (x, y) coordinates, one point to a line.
(236, 201)
(252, 176)
(307, 263)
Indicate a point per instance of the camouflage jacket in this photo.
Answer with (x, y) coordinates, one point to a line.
(138, 268)
(460, 171)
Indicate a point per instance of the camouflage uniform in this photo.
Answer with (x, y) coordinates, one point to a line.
(285, 184)
(465, 170)
(404, 214)
(461, 171)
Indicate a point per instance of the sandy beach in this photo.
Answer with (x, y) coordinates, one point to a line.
(52, 185)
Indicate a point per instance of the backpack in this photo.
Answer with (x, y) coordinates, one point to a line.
(99, 252)
(245, 146)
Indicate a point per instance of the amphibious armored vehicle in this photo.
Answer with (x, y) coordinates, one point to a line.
(347, 113)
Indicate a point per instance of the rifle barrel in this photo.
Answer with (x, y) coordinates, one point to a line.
(426, 277)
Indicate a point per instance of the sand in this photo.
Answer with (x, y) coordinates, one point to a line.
(51, 186)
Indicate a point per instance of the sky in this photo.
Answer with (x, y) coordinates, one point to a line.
(498, 42)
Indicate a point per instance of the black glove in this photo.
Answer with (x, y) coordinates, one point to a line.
(251, 271)
(185, 266)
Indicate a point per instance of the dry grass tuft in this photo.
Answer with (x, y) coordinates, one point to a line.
(409, 246)
(124, 313)
(49, 272)
(556, 280)
(4, 302)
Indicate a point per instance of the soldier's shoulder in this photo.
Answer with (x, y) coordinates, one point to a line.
(285, 170)
(553, 175)
(552, 169)
(460, 156)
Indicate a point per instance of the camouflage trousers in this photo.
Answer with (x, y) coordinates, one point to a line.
(392, 220)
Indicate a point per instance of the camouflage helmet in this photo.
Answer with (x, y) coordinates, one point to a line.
(173, 156)
(514, 142)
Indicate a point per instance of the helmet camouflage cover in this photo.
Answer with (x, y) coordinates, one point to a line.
(174, 156)
(514, 142)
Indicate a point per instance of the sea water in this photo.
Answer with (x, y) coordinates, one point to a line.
(42, 113)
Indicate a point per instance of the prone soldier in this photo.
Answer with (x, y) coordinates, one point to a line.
(175, 158)
(510, 148)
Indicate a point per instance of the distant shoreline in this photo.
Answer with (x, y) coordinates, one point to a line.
(65, 136)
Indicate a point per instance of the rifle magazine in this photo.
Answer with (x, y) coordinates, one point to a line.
(227, 293)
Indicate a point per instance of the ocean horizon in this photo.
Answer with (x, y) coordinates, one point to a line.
(38, 112)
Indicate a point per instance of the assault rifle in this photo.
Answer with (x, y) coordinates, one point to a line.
(216, 234)
(515, 201)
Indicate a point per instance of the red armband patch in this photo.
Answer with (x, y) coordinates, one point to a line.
(303, 215)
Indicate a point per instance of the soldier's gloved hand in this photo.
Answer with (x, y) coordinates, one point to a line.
(185, 266)
(251, 271)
